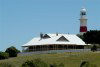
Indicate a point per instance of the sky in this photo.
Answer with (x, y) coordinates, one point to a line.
(22, 20)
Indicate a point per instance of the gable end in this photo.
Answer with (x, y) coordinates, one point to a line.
(62, 38)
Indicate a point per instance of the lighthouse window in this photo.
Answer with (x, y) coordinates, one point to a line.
(83, 13)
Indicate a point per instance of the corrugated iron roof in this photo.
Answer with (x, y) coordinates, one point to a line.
(72, 39)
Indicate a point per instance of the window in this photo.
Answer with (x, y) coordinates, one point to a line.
(62, 38)
(83, 13)
(46, 36)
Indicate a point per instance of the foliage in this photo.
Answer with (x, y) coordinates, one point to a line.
(94, 48)
(35, 63)
(68, 59)
(4, 55)
(28, 64)
(87, 64)
(84, 64)
(12, 51)
(61, 65)
(57, 65)
(53, 65)
(92, 37)
(39, 63)
(6, 65)
(80, 36)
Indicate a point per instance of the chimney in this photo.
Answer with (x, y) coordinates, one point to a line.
(41, 35)
(56, 34)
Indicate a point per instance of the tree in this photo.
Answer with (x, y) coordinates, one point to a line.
(4, 55)
(80, 36)
(92, 37)
(12, 51)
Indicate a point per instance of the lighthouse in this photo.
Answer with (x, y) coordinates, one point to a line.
(83, 21)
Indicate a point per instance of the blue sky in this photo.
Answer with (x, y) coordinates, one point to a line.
(21, 20)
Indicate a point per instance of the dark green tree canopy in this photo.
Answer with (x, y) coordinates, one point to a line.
(12, 51)
(92, 37)
(4, 55)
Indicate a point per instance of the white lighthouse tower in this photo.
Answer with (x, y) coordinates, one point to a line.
(83, 21)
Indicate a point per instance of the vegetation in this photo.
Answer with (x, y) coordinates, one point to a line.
(87, 64)
(4, 55)
(73, 59)
(12, 51)
(57, 65)
(69, 59)
(39, 63)
(35, 63)
(92, 37)
(94, 48)
(6, 64)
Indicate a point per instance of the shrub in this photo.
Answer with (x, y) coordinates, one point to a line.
(94, 48)
(35, 63)
(39, 63)
(55, 65)
(84, 64)
(12, 51)
(4, 55)
(28, 64)
(87, 64)
(61, 65)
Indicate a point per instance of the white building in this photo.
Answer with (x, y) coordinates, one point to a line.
(54, 42)
(59, 41)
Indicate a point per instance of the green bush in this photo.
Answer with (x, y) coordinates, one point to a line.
(12, 51)
(35, 63)
(87, 64)
(28, 64)
(40, 63)
(57, 65)
(53, 65)
(84, 64)
(61, 65)
(4, 55)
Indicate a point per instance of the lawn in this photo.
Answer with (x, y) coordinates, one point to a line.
(72, 59)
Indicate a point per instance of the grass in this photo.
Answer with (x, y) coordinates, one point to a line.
(72, 59)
